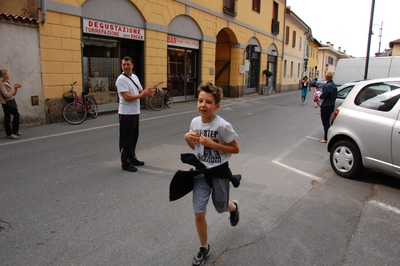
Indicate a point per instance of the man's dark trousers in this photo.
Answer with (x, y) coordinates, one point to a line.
(128, 137)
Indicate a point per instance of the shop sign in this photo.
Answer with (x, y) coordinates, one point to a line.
(182, 42)
(111, 29)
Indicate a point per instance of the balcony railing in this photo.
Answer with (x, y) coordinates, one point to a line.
(229, 7)
(275, 26)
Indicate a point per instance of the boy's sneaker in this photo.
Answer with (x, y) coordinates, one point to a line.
(201, 256)
(235, 214)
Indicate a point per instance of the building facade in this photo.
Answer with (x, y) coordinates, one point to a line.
(395, 47)
(296, 50)
(328, 57)
(180, 43)
(313, 59)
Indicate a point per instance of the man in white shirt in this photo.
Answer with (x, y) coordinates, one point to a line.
(129, 91)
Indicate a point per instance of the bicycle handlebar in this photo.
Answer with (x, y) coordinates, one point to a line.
(156, 86)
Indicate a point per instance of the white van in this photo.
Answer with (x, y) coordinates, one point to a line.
(352, 69)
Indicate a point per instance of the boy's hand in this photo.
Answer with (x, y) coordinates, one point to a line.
(192, 138)
(206, 141)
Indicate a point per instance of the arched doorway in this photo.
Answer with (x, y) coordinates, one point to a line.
(272, 65)
(183, 58)
(252, 66)
(226, 40)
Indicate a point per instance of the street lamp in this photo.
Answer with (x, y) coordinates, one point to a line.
(369, 39)
(380, 36)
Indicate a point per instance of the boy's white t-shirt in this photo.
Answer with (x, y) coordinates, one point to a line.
(123, 84)
(220, 131)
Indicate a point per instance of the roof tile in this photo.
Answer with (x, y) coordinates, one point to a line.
(8, 16)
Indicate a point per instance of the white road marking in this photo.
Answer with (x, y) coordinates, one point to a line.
(310, 176)
(385, 206)
(287, 152)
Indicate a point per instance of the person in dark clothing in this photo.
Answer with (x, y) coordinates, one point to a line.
(129, 91)
(328, 95)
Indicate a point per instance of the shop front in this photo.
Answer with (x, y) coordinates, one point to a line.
(182, 62)
(103, 46)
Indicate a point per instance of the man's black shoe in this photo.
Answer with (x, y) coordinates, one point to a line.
(129, 168)
(136, 162)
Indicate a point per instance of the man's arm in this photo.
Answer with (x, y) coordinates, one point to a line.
(129, 97)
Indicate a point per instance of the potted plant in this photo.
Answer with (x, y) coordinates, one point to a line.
(268, 74)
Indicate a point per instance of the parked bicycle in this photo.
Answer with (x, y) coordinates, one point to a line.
(75, 111)
(161, 98)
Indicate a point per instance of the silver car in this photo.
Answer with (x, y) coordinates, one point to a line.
(366, 130)
(342, 93)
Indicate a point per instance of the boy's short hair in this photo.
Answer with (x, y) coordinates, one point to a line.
(329, 76)
(208, 87)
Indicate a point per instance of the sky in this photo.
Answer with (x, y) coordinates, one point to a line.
(345, 23)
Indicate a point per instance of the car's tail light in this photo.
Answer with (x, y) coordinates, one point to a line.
(335, 114)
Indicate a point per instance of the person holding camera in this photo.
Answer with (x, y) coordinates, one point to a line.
(9, 105)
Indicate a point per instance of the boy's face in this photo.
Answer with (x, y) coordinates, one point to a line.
(206, 104)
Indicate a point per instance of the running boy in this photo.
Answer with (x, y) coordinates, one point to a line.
(213, 140)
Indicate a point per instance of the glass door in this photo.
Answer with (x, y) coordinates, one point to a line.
(182, 73)
(190, 73)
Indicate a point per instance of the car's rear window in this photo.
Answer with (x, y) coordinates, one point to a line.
(342, 94)
(379, 96)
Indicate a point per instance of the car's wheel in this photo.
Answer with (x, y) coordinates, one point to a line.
(345, 159)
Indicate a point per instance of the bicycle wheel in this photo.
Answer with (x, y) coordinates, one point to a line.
(156, 102)
(169, 101)
(74, 113)
(92, 107)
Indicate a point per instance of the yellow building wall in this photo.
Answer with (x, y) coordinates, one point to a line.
(295, 55)
(396, 49)
(60, 40)
(313, 59)
(60, 52)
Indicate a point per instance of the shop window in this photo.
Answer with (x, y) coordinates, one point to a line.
(101, 65)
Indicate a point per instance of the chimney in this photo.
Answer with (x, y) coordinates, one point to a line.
(328, 43)
(339, 49)
(344, 51)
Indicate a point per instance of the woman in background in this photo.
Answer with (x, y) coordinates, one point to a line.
(9, 105)
(304, 84)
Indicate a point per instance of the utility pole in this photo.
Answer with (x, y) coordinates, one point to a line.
(369, 39)
(380, 37)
